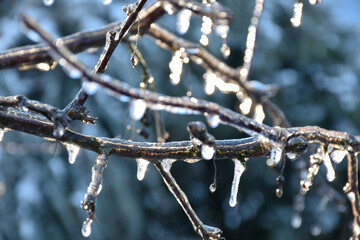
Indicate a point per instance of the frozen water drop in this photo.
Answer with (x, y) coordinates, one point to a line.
(73, 151)
(137, 109)
(338, 155)
(206, 26)
(296, 220)
(279, 192)
(222, 30)
(315, 230)
(176, 65)
(225, 50)
(292, 155)
(106, 2)
(183, 21)
(245, 106)
(259, 114)
(207, 152)
(213, 120)
(142, 165)
(212, 187)
(90, 87)
(48, 2)
(204, 40)
(59, 131)
(86, 228)
(210, 80)
(239, 168)
(296, 19)
(351, 196)
(167, 163)
(168, 7)
(276, 154)
(329, 167)
(2, 133)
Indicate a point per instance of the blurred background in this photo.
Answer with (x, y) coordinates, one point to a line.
(316, 66)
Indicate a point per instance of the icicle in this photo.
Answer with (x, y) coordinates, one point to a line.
(167, 164)
(296, 220)
(239, 168)
(86, 228)
(338, 155)
(73, 151)
(296, 19)
(175, 66)
(206, 29)
(2, 133)
(213, 120)
(245, 106)
(276, 154)
(280, 180)
(106, 2)
(137, 109)
(210, 79)
(183, 21)
(207, 151)
(259, 114)
(90, 87)
(329, 167)
(142, 165)
(48, 3)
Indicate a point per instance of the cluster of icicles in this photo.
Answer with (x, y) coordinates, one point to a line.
(181, 56)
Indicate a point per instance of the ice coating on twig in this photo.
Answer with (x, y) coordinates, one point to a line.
(239, 169)
(276, 154)
(207, 151)
(142, 166)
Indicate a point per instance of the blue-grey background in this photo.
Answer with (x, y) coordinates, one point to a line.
(317, 67)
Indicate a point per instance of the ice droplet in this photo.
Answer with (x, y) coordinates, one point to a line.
(338, 155)
(207, 152)
(183, 21)
(315, 230)
(296, 220)
(48, 3)
(329, 167)
(212, 187)
(210, 79)
(59, 131)
(168, 7)
(296, 19)
(351, 196)
(142, 165)
(259, 114)
(204, 40)
(106, 2)
(239, 168)
(225, 50)
(213, 120)
(276, 154)
(2, 133)
(292, 155)
(175, 66)
(86, 228)
(137, 109)
(167, 163)
(222, 30)
(73, 151)
(245, 106)
(90, 87)
(206, 26)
